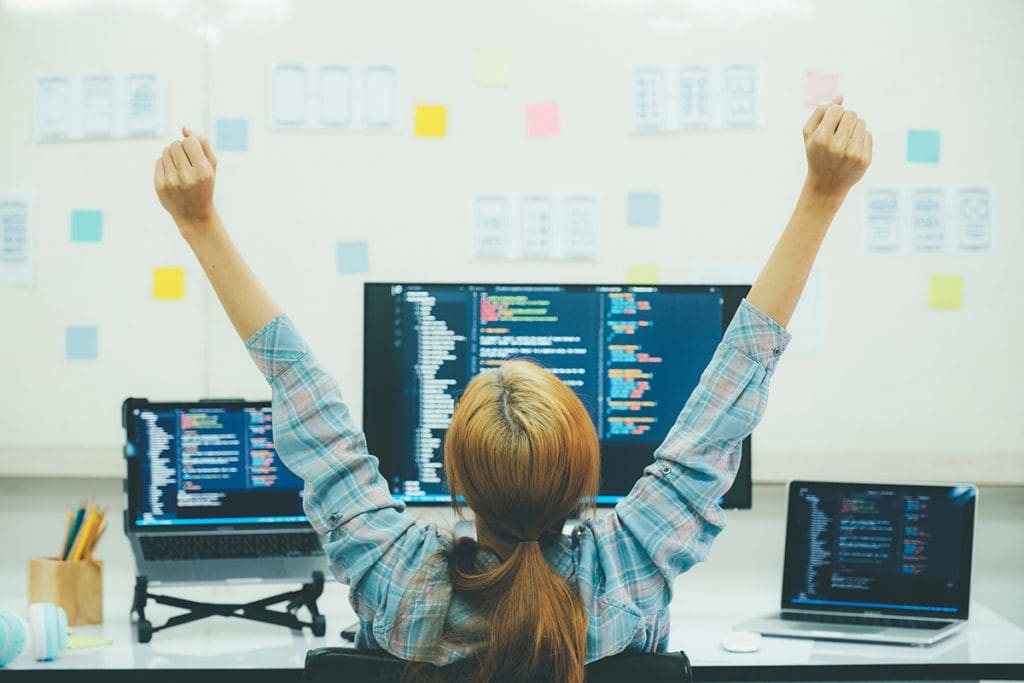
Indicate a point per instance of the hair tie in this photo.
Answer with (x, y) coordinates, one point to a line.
(528, 540)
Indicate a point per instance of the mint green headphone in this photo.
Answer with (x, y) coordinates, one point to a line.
(46, 632)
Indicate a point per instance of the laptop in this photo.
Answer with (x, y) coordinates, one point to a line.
(886, 563)
(209, 499)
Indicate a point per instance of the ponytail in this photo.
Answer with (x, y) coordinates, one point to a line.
(522, 452)
(538, 623)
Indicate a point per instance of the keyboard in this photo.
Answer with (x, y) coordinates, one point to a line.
(228, 546)
(857, 620)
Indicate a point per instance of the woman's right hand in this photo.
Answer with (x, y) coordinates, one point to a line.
(184, 179)
(838, 147)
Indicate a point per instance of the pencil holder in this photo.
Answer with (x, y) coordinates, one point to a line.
(76, 586)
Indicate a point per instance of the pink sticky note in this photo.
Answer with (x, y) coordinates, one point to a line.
(820, 87)
(542, 120)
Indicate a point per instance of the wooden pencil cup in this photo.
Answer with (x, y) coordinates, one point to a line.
(75, 586)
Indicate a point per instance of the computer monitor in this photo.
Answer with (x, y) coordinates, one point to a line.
(633, 354)
(199, 464)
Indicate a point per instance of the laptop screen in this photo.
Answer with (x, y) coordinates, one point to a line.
(893, 549)
(200, 464)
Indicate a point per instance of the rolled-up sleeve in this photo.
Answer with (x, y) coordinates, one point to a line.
(345, 498)
(669, 520)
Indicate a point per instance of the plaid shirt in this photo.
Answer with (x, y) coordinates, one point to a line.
(623, 564)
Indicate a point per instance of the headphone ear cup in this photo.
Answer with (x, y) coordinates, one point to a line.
(49, 627)
(13, 631)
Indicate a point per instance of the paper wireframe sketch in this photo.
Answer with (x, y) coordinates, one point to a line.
(16, 238)
(649, 99)
(974, 217)
(536, 227)
(144, 104)
(928, 218)
(580, 233)
(491, 225)
(882, 218)
(97, 106)
(53, 108)
(289, 93)
(335, 95)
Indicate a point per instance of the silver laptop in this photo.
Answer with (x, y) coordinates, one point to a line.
(208, 497)
(875, 562)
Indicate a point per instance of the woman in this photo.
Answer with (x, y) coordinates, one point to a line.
(525, 602)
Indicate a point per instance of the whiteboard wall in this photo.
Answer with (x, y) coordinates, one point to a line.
(896, 390)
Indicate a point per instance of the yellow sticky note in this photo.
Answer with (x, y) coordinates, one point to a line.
(643, 274)
(168, 283)
(945, 292)
(80, 642)
(492, 67)
(430, 120)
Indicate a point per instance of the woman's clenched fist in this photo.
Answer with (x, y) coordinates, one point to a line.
(184, 178)
(838, 148)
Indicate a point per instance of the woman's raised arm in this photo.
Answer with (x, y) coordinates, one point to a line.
(838, 152)
(184, 179)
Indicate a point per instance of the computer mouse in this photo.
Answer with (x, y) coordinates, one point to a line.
(741, 641)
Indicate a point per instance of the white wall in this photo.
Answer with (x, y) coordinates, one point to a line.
(897, 389)
(746, 556)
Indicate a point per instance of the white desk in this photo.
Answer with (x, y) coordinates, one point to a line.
(990, 648)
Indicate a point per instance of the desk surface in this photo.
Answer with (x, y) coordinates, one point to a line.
(990, 647)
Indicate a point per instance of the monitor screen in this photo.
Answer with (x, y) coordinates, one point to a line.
(192, 464)
(632, 354)
(892, 549)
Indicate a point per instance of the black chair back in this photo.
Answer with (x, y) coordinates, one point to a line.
(334, 664)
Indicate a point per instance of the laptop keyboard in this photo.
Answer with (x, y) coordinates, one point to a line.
(856, 620)
(228, 547)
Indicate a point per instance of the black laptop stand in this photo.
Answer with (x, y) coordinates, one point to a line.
(254, 611)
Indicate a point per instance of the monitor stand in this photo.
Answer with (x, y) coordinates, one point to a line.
(255, 611)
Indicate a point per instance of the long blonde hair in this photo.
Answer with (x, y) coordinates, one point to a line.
(522, 451)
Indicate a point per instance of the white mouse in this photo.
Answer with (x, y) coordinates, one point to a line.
(741, 641)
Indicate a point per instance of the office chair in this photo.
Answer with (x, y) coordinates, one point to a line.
(333, 664)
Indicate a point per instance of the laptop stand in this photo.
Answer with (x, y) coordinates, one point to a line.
(254, 611)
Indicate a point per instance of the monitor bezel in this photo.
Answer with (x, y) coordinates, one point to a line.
(133, 473)
(733, 295)
(790, 562)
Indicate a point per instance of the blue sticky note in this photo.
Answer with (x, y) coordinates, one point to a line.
(232, 135)
(923, 146)
(643, 209)
(86, 226)
(81, 343)
(353, 257)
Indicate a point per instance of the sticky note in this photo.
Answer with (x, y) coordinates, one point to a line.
(430, 120)
(643, 274)
(80, 642)
(923, 146)
(820, 87)
(543, 120)
(86, 226)
(643, 209)
(231, 135)
(81, 343)
(945, 292)
(353, 257)
(168, 283)
(492, 67)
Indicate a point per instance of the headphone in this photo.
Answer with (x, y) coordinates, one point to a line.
(46, 632)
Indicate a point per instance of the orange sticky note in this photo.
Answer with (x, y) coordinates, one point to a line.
(820, 87)
(431, 120)
(642, 274)
(168, 283)
(543, 120)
